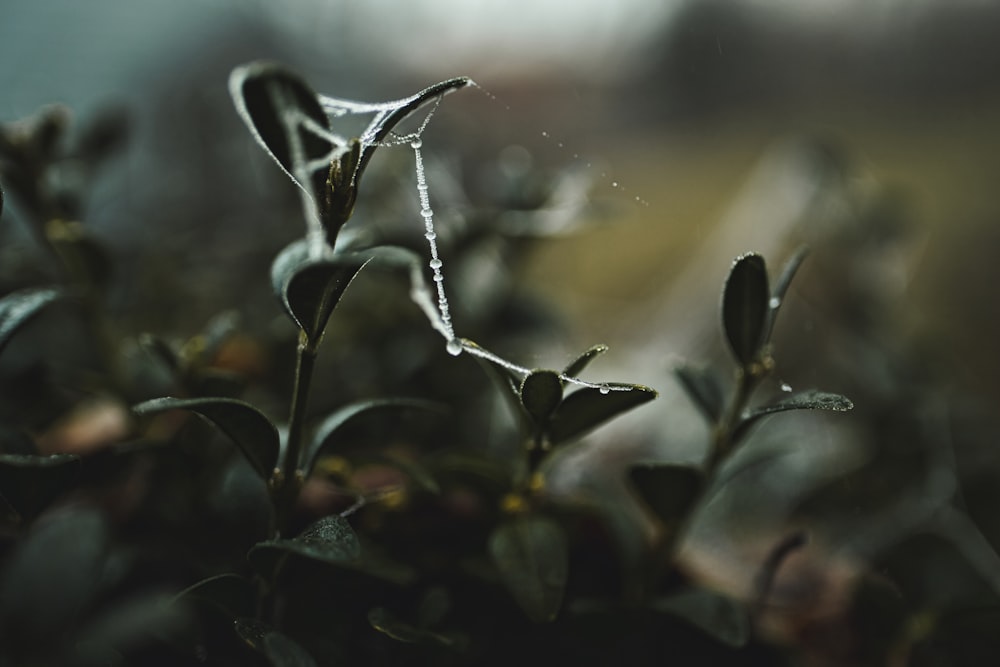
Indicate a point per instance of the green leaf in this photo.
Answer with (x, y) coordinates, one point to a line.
(324, 436)
(812, 399)
(329, 540)
(309, 288)
(581, 362)
(19, 307)
(231, 593)
(275, 104)
(670, 490)
(541, 391)
(244, 424)
(781, 286)
(282, 651)
(532, 556)
(29, 483)
(586, 409)
(718, 616)
(386, 121)
(703, 387)
(388, 624)
(51, 575)
(745, 307)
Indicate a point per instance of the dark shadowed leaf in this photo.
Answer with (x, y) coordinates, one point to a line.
(806, 400)
(745, 306)
(51, 575)
(669, 489)
(230, 593)
(330, 540)
(274, 103)
(386, 121)
(586, 409)
(282, 651)
(19, 307)
(581, 362)
(541, 393)
(532, 555)
(703, 387)
(388, 624)
(29, 483)
(135, 622)
(716, 615)
(327, 429)
(764, 581)
(309, 288)
(781, 286)
(245, 425)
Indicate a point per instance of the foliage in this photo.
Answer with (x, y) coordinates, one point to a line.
(395, 529)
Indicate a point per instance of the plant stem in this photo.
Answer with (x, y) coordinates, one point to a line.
(722, 444)
(287, 493)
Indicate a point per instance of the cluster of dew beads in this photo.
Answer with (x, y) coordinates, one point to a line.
(454, 345)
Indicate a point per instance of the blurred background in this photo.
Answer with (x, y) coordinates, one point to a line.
(676, 113)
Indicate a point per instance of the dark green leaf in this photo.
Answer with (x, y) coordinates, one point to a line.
(247, 426)
(807, 400)
(134, 622)
(329, 540)
(323, 439)
(541, 393)
(587, 408)
(231, 593)
(717, 615)
(275, 104)
(309, 287)
(581, 362)
(784, 282)
(29, 482)
(19, 307)
(703, 387)
(764, 582)
(388, 624)
(284, 652)
(252, 632)
(532, 556)
(52, 574)
(670, 490)
(745, 306)
(386, 121)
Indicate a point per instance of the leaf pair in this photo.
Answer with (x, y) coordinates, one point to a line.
(257, 437)
(749, 307)
(289, 120)
(556, 418)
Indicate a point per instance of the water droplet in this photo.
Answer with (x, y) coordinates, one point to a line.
(604, 389)
(774, 302)
(427, 213)
(435, 263)
(454, 347)
(614, 184)
(785, 387)
(438, 277)
(545, 134)
(416, 143)
(430, 236)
